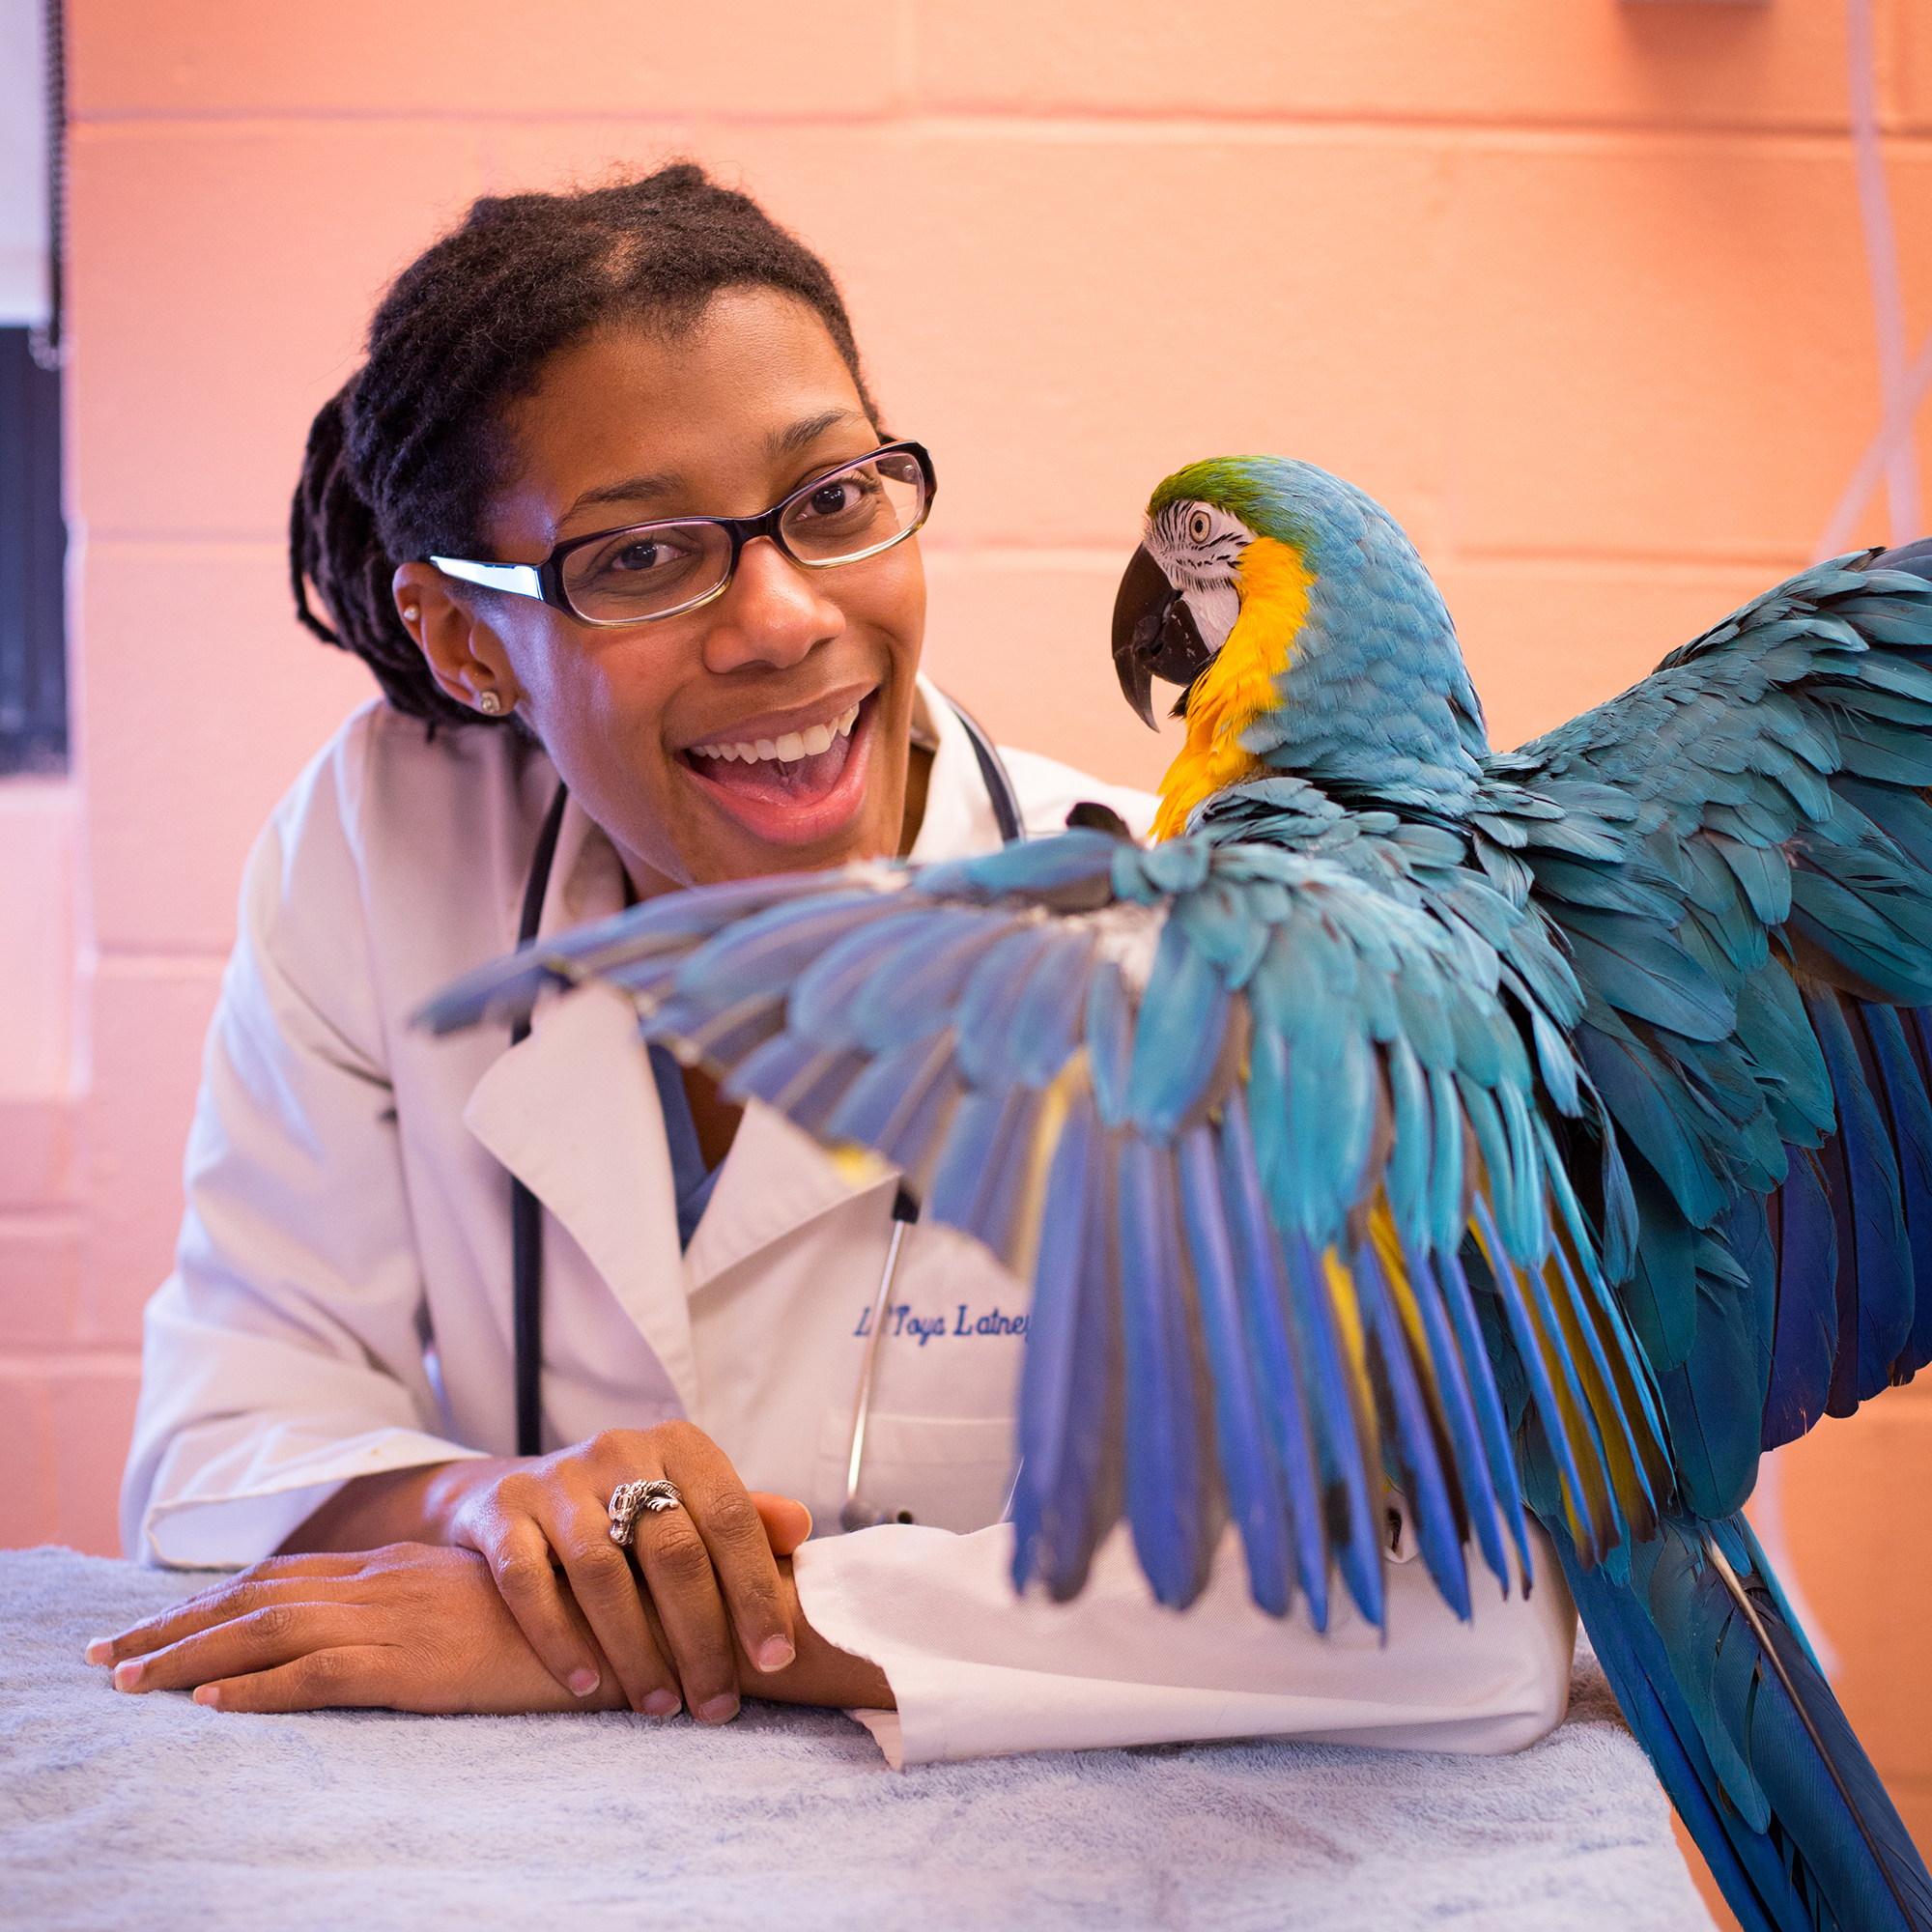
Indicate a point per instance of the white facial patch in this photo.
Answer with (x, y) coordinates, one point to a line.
(788, 748)
(1199, 547)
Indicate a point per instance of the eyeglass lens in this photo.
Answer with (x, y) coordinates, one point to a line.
(654, 568)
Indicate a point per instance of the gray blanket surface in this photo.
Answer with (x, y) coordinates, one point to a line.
(152, 1813)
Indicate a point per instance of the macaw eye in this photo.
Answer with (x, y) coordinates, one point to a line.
(1200, 526)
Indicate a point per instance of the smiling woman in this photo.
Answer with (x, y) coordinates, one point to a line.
(612, 515)
(745, 406)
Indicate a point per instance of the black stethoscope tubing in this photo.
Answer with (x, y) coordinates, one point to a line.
(526, 1209)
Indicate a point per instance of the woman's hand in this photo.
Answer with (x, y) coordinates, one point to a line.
(413, 1627)
(710, 1567)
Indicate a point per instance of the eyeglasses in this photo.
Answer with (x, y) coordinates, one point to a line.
(642, 571)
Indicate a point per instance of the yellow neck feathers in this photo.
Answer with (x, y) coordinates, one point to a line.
(1239, 686)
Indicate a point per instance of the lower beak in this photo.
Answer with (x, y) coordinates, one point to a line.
(1154, 635)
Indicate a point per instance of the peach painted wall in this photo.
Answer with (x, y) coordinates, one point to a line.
(1577, 290)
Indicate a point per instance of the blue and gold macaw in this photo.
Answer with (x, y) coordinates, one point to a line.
(1546, 1129)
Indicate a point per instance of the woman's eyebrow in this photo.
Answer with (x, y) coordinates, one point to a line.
(661, 483)
(632, 490)
(807, 431)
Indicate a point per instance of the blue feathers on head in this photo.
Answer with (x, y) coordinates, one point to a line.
(1375, 700)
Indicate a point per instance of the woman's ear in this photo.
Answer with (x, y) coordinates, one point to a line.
(464, 656)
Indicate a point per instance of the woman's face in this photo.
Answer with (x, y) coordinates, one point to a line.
(723, 418)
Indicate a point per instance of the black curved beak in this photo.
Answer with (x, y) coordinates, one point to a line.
(1154, 635)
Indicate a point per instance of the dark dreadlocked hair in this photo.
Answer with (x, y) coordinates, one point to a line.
(401, 459)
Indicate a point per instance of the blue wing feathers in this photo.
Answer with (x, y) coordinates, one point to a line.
(1248, 1468)
(1178, 1041)
(1165, 1501)
(1440, 1519)
(1803, 1234)
(1285, 1408)
(1346, 1460)
(1874, 1284)
(1065, 1494)
(1464, 1347)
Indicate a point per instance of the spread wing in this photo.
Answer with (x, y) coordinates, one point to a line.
(1755, 947)
(1286, 1162)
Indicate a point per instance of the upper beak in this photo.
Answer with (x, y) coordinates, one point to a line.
(1154, 635)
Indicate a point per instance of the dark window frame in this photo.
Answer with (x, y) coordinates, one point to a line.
(33, 562)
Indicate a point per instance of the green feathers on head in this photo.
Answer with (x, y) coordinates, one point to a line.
(1243, 485)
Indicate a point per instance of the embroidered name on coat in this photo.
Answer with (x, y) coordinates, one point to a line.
(963, 1322)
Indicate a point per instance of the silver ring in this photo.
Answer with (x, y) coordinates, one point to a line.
(628, 1499)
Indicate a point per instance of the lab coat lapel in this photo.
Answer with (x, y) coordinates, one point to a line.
(776, 1178)
(573, 1112)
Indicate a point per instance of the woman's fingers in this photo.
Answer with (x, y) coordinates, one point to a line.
(606, 1592)
(684, 1587)
(519, 1555)
(258, 1640)
(733, 1532)
(395, 1676)
(357, 1675)
(787, 1522)
(233, 1597)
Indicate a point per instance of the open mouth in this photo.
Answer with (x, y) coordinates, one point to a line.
(795, 787)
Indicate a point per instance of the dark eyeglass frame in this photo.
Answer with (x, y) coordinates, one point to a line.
(544, 581)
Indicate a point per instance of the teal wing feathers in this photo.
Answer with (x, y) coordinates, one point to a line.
(1278, 1150)
(1739, 854)
(1742, 868)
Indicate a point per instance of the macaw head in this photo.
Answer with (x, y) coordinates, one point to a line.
(1305, 633)
(1182, 590)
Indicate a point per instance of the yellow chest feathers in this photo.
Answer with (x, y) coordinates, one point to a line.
(1239, 686)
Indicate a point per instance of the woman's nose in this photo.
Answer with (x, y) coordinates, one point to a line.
(772, 613)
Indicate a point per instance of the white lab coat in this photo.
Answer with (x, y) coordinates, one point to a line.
(341, 1302)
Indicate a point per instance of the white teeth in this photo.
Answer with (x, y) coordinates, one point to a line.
(789, 749)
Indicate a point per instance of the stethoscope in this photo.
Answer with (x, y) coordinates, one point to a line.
(527, 1211)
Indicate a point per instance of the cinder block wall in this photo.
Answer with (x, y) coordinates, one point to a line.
(1577, 290)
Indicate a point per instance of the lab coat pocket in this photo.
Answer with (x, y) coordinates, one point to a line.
(947, 1471)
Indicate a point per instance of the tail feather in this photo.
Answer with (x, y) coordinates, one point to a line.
(1721, 1690)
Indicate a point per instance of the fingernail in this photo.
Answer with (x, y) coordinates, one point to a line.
(663, 1704)
(209, 1693)
(719, 1711)
(128, 1676)
(775, 1653)
(101, 1650)
(583, 1682)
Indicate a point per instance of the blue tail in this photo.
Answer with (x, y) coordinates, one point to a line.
(1722, 1690)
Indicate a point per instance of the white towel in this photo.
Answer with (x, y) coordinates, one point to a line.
(151, 1812)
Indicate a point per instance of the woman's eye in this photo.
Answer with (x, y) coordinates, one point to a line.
(1200, 526)
(832, 499)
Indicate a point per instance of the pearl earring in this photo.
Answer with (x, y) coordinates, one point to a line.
(489, 703)
(412, 613)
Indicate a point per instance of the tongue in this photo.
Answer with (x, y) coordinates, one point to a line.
(798, 782)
